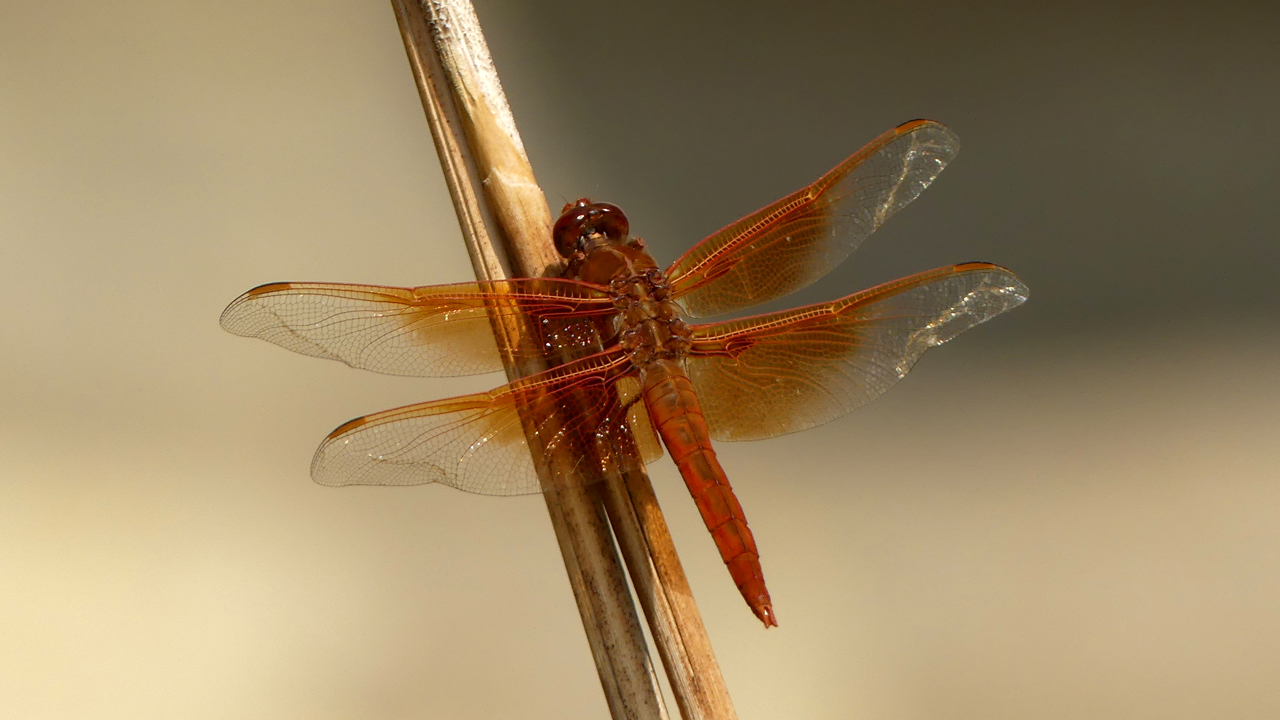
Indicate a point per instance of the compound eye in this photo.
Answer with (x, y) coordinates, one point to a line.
(568, 227)
(609, 220)
(584, 218)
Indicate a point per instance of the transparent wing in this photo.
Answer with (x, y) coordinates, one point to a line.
(630, 397)
(481, 443)
(433, 331)
(800, 238)
(779, 373)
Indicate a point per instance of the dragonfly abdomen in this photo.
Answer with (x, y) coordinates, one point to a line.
(677, 416)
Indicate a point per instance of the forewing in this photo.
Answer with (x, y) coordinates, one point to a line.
(433, 331)
(481, 443)
(779, 373)
(793, 242)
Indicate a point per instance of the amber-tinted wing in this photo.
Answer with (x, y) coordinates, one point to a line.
(779, 373)
(480, 443)
(433, 331)
(646, 438)
(800, 238)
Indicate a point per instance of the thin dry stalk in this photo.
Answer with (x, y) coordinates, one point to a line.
(506, 224)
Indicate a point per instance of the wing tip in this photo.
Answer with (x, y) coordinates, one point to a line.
(346, 427)
(236, 310)
(232, 315)
(327, 465)
(1013, 287)
(914, 123)
(945, 141)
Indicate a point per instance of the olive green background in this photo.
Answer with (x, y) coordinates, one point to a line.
(1071, 512)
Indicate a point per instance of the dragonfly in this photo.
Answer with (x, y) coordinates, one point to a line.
(639, 374)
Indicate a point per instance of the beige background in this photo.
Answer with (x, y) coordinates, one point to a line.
(1073, 512)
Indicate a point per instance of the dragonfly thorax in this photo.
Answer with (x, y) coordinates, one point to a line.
(648, 324)
(650, 327)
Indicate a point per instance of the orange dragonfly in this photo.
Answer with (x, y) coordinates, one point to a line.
(633, 362)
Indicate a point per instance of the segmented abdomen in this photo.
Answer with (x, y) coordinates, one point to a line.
(677, 417)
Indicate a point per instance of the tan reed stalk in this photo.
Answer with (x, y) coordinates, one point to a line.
(506, 225)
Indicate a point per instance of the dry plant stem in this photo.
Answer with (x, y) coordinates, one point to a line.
(484, 167)
(506, 224)
(664, 593)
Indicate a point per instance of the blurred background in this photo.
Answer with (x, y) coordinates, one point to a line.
(1070, 512)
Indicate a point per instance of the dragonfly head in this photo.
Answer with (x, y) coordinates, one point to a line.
(581, 220)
